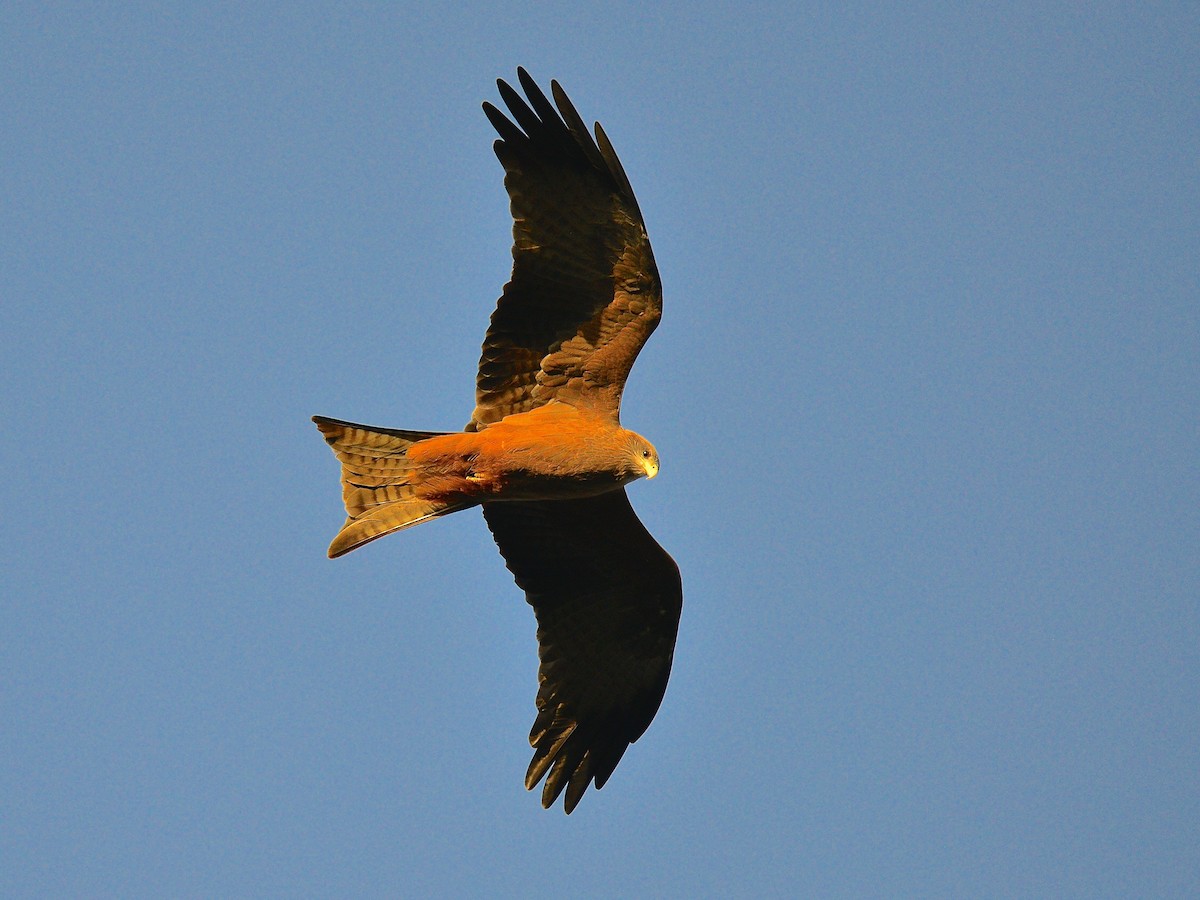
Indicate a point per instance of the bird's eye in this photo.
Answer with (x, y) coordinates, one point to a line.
(645, 454)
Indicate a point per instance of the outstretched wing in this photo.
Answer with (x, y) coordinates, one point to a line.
(584, 294)
(608, 600)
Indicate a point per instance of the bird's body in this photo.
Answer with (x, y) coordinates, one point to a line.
(393, 479)
(534, 456)
(544, 454)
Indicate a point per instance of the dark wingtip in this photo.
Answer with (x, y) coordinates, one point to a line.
(331, 429)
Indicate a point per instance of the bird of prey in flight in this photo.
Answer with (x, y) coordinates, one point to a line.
(544, 454)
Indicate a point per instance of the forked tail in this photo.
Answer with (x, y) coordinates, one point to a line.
(379, 485)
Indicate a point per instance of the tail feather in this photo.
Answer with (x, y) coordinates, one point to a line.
(378, 482)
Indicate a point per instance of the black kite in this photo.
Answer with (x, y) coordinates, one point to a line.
(544, 453)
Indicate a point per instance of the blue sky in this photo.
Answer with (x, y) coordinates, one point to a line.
(925, 393)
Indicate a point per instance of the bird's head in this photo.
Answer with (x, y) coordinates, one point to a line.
(645, 457)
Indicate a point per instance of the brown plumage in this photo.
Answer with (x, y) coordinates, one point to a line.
(544, 453)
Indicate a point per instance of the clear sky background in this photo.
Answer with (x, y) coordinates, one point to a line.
(925, 390)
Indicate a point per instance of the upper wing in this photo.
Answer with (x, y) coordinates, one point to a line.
(584, 294)
(608, 600)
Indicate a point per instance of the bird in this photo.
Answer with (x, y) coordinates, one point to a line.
(544, 453)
